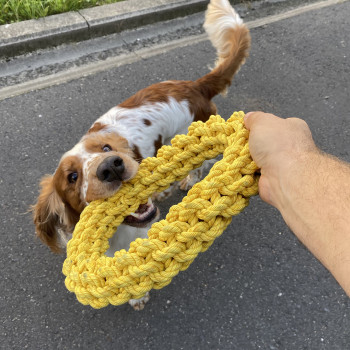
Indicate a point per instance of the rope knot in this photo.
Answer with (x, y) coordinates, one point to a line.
(188, 229)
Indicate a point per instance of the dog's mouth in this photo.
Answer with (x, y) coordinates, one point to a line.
(145, 214)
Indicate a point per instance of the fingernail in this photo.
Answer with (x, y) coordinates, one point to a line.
(247, 116)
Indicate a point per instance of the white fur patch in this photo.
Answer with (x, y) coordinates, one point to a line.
(166, 120)
(85, 158)
(124, 236)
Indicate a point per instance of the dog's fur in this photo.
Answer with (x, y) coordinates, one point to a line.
(113, 147)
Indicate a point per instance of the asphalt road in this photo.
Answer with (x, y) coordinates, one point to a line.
(257, 287)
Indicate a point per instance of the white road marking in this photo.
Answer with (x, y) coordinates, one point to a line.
(117, 61)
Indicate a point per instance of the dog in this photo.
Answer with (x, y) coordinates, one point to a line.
(110, 152)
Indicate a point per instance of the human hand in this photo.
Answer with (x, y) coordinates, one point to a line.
(311, 189)
(277, 146)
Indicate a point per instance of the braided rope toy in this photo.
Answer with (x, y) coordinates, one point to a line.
(190, 227)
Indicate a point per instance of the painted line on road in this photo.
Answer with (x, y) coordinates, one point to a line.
(114, 62)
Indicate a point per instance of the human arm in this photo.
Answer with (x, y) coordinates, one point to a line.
(310, 188)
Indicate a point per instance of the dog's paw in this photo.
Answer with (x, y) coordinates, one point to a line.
(191, 179)
(139, 304)
(160, 197)
(188, 182)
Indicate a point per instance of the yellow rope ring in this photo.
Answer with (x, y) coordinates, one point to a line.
(190, 227)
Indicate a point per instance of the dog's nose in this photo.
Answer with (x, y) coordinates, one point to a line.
(111, 169)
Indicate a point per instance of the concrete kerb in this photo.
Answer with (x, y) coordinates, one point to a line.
(54, 30)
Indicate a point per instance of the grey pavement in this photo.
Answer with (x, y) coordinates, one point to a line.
(31, 35)
(257, 287)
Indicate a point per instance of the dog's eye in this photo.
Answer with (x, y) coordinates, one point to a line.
(106, 148)
(73, 177)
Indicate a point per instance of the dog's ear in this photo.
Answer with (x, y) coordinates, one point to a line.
(49, 214)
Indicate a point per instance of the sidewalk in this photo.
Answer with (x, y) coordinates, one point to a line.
(27, 36)
(30, 35)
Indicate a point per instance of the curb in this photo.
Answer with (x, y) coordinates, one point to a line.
(54, 30)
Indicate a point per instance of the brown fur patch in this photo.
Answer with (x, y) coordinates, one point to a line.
(199, 105)
(158, 144)
(69, 192)
(96, 127)
(50, 215)
(96, 142)
(137, 154)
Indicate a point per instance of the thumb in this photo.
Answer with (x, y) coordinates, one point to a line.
(249, 119)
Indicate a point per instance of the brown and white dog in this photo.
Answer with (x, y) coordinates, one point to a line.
(110, 152)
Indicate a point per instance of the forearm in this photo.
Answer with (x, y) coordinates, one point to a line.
(314, 200)
(310, 189)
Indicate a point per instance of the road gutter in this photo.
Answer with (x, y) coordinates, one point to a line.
(114, 62)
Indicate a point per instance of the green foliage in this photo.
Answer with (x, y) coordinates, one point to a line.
(21, 10)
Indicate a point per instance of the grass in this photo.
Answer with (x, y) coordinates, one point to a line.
(21, 10)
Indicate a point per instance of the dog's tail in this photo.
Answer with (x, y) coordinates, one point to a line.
(231, 38)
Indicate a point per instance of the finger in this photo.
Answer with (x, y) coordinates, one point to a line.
(250, 117)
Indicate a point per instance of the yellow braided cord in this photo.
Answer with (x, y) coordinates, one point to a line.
(189, 228)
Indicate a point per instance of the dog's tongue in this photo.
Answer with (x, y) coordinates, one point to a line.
(142, 209)
(143, 214)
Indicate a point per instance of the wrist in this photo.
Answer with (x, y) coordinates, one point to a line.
(288, 180)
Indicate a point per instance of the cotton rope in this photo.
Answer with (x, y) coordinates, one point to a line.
(189, 228)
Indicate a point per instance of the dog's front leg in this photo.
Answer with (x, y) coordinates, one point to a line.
(195, 175)
(139, 304)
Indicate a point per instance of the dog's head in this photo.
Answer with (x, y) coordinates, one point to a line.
(95, 168)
